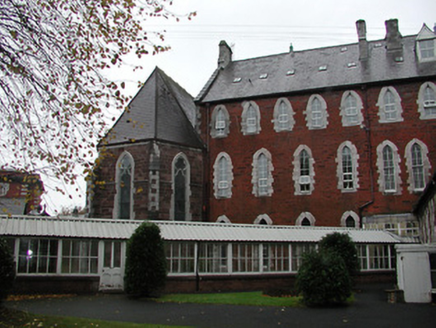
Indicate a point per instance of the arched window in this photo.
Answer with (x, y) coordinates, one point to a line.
(283, 115)
(124, 187)
(388, 168)
(316, 113)
(305, 219)
(418, 165)
(263, 219)
(350, 220)
(220, 122)
(389, 103)
(262, 178)
(303, 171)
(427, 101)
(347, 159)
(223, 176)
(351, 109)
(180, 210)
(223, 219)
(250, 118)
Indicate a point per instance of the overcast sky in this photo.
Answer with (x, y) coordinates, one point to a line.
(257, 28)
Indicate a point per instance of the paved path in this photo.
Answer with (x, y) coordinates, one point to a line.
(370, 309)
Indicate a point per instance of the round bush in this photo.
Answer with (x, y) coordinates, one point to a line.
(323, 279)
(7, 269)
(342, 244)
(145, 262)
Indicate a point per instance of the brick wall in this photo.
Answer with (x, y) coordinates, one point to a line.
(327, 203)
(104, 188)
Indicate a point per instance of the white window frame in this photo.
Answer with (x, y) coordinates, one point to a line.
(223, 219)
(322, 113)
(396, 103)
(296, 175)
(283, 109)
(265, 218)
(353, 215)
(381, 169)
(426, 166)
(42, 261)
(423, 108)
(180, 256)
(345, 109)
(219, 190)
(340, 169)
(86, 256)
(220, 122)
(303, 216)
(265, 190)
(250, 124)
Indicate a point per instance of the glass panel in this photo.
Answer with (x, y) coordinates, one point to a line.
(107, 254)
(117, 254)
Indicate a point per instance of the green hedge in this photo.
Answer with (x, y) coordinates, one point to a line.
(7, 269)
(145, 262)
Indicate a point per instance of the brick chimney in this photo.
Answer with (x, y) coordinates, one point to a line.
(225, 55)
(363, 43)
(393, 36)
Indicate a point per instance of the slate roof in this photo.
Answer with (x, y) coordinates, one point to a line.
(69, 227)
(321, 68)
(161, 110)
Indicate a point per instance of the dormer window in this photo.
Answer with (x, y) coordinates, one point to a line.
(426, 45)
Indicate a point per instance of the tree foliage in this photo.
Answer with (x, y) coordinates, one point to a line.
(344, 246)
(7, 269)
(53, 95)
(145, 262)
(323, 279)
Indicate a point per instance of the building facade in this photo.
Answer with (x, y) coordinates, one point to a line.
(336, 136)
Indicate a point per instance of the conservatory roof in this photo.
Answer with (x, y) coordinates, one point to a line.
(70, 227)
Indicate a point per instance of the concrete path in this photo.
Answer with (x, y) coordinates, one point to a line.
(370, 309)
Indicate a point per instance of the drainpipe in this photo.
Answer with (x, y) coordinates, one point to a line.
(368, 140)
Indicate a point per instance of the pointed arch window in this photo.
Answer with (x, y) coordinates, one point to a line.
(283, 115)
(389, 104)
(388, 168)
(250, 118)
(262, 178)
(263, 219)
(350, 220)
(220, 122)
(303, 171)
(351, 109)
(347, 159)
(305, 219)
(223, 176)
(316, 113)
(427, 101)
(124, 187)
(418, 165)
(180, 210)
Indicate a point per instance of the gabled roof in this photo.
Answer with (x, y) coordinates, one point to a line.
(316, 69)
(69, 227)
(161, 110)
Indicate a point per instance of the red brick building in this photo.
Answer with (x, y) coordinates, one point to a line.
(335, 136)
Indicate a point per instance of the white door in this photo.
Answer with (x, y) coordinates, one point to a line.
(112, 273)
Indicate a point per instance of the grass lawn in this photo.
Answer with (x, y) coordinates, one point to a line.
(12, 318)
(243, 298)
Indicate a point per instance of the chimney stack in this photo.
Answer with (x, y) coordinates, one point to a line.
(225, 55)
(393, 36)
(363, 43)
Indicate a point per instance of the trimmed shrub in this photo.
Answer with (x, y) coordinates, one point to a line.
(342, 244)
(323, 279)
(145, 262)
(7, 269)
